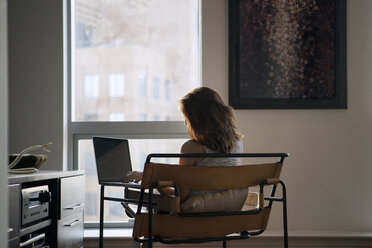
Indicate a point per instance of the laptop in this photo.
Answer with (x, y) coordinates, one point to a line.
(112, 161)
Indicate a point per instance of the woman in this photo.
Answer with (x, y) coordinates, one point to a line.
(211, 127)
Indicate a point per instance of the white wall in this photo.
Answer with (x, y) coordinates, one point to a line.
(328, 172)
(36, 74)
(3, 125)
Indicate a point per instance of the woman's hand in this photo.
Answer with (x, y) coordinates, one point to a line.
(134, 176)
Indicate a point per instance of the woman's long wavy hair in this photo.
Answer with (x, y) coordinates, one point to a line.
(210, 121)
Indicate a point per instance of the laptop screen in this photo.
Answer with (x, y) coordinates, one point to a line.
(112, 158)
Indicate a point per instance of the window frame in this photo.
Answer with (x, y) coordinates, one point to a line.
(80, 130)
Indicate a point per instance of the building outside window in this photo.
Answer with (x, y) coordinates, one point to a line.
(91, 86)
(142, 84)
(116, 116)
(167, 90)
(142, 117)
(82, 38)
(105, 39)
(155, 88)
(90, 117)
(116, 85)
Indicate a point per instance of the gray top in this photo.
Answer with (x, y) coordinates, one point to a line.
(209, 162)
(222, 161)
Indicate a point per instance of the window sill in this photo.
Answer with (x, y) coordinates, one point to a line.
(122, 233)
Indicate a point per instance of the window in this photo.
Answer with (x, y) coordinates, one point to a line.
(142, 85)
(91, 117)
(160, 59)
(167, 90)
(155, 88)
(115, 208)
(116, 117)
(116, 85)
(142, 117)
(91, 86)
(82, 35)
(89, 160)
(91, 206)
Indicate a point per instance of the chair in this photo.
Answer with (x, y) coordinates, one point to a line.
(178, 227)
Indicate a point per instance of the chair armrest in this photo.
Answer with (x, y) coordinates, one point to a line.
(252, 200)
(255, 200)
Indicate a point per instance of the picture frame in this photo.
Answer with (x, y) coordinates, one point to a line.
(287, 54)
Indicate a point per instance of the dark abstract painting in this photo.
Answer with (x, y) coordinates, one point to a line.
(287, 54)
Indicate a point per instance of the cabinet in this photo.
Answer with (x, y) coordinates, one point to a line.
(14, 214)
(70, 223)
(46, 209)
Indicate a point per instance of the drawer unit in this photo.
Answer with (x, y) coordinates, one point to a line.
(71, 231)
(58, 193)
(13, 243)
(72, 195)
(71, 222)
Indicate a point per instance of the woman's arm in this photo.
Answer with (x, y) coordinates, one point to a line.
(134, 176)
(190, 146)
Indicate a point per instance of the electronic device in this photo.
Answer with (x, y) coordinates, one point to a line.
(35, 204)
(112, 160)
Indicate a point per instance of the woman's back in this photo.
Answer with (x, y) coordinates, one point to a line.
(216, 201)
(222, 161)
(210, 162)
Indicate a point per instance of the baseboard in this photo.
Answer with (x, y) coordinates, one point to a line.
(334, 240)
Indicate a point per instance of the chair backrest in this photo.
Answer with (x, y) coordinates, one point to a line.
(211, 178)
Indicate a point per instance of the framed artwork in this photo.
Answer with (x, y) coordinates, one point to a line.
(287, 54)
